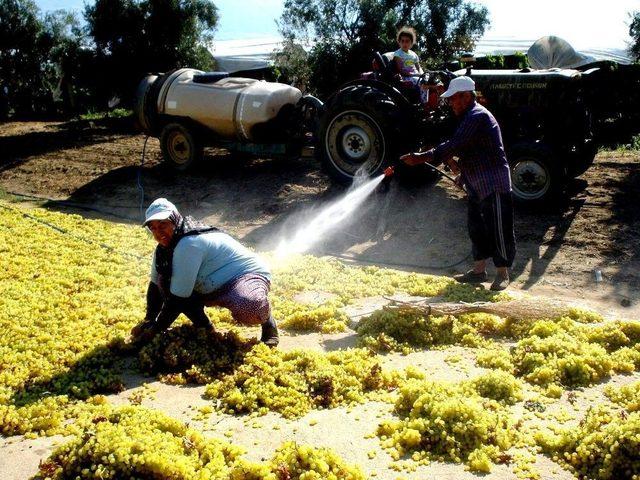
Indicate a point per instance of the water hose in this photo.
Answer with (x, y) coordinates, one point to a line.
(390, 170)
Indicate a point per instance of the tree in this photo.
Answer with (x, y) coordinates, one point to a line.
(21, 53)
(38, 59)
(134, 37)
(634, 32)
(69, 59)
(345, 32)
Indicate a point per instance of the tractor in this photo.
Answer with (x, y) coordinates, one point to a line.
(368, 123)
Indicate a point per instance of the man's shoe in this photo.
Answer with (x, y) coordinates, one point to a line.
(471, 277)
(270, 333)
(500, 283)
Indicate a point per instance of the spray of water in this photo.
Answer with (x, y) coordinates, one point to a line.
(328, 218)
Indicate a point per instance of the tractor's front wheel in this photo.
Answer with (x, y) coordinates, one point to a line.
(180, 148)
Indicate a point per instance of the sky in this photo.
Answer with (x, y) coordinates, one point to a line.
(581, 22)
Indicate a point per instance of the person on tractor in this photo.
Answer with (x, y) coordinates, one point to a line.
(407, 63)
(195, 265)
(483, 171)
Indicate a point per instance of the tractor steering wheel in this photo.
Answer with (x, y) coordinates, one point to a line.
(385, 72)
(381, 59)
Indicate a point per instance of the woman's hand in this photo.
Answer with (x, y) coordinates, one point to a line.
(143, 332)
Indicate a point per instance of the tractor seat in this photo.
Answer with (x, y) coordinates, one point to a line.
(210, 77)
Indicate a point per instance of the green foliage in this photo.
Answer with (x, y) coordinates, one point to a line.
(292, 65)
(26, 45)
(634, 32)
(45, 61)
(51, 63)
(134, 37)
(115, 113)
(346, 32)
(633, 145)
(516, 61)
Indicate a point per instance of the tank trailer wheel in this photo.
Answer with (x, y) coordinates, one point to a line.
(180, 148)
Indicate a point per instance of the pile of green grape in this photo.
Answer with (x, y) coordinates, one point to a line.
(409, 329)
(605, 445)
(134, 442)
(500, 386)
(298, 462)
(186, 354)
(455, 422)
(566, 353)
(626, 396)
(298, 273)
(294, 382)
(66, 307)
(325, 318)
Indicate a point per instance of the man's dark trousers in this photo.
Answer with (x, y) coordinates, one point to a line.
(490, 223)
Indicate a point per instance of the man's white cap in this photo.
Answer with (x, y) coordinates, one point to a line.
(459, 84)
(160, 209)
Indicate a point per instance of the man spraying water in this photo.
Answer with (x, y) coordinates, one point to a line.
(483, 170)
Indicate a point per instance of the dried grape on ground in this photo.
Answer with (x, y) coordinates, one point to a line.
(72, 288)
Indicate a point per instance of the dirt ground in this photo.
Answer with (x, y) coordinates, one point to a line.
(95, 171)
(418, 227)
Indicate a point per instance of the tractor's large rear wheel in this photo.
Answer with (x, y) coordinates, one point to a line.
(359, 134)
(536, 176)
(180, 147)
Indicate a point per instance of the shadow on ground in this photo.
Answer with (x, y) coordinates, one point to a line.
(622, 257)
(415, 227)
(98, 371)
(16, 149)
(264, 202)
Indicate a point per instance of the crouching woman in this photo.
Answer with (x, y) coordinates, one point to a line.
(195, 265)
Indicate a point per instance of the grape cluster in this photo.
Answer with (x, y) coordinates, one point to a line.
(186, 354)
(134, 442)
(500, 386)
(325, 318)
(298, 462)
(409, 328)
(626, 396)
(566, 352)
(563, 352)
(452, 422)
(292, 383)
(604, 446)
